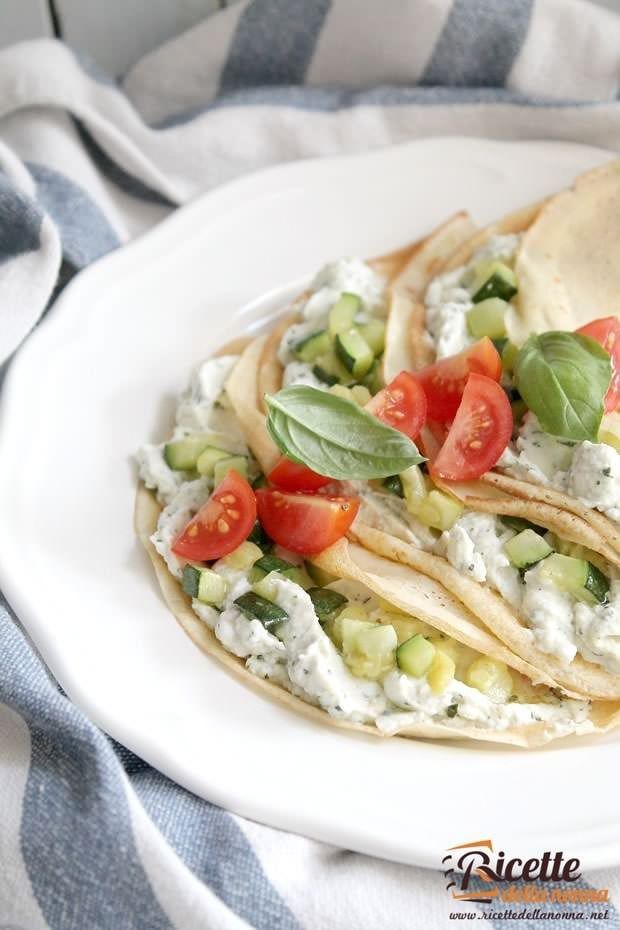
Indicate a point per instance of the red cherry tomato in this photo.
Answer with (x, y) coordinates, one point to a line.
(304, 523)
(444, 382)
(221, 524)
(431, 439)
(606, 331)
(480, 432)
(402, 404)
(289, 476)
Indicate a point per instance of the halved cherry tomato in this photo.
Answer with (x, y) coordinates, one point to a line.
(480, 432)
(606, 331)
(290, 476)
(221, 524)
(444, 382)
(431, 439)
(402, 404)
(304, 522)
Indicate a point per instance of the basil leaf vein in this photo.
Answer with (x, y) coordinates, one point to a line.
(563, 378)
(335, 437)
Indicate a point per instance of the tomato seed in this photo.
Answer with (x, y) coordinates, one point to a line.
(222, 525)
(228, 499)
(234, 514)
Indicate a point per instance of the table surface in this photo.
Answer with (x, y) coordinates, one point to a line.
(115, 34)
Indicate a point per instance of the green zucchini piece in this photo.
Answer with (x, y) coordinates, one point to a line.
(256, 607)
(319, 575)
(579, 577)
(494, 280)
(415, 656)
(486, 318)
(183, 454)
(374, 379)
(394, 485)
(324, 376)
(204, 584)
(373, 333)
(326, 603)
(237, 463)
(210, 455)
(519, 524)
(354, 352)
(526, 549)
(312, 346)
(509, 355)
(342, 314)
(271, 563)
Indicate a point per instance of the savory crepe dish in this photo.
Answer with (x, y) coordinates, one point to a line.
(399, 510)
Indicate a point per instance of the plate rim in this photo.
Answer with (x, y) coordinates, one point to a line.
(602, 853)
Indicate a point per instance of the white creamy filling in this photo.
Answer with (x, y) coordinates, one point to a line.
(304, 660)
(560, 624)
(448, 298)
(175, 516)
(589, 471)
(203, 408)
(475, 547)
(473, 707)
(348, 275)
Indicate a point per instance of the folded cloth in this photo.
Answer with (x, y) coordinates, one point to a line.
(91, 836)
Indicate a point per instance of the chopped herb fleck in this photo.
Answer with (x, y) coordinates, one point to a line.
(452, 710)
(607, 472)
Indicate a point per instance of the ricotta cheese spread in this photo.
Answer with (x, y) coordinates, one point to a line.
(560, 624)
(448, 298)
(589, 471)
(348, 275)
(203, 408)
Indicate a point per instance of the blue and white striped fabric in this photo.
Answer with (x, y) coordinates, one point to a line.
(91, 838)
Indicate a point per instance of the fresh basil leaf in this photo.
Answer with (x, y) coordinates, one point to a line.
(335, 437)
(563, 379)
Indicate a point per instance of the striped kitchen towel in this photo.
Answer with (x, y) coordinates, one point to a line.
(92, 838)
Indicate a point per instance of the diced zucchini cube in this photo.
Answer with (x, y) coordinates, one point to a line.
(354, 352)
(493, 279)
(207, 460)
(312, 346)
(237, 463)
(439, 510)
(368, 649)
(183, 454)
(487, 318)
(415, 656)
(526, 549)
(243, 557)
(342, 314)
(204, 584)
(491, 677)
(374, 334)
(414, 488)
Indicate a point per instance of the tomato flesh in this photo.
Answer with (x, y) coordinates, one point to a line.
(445, 380)
(305, 523)
(402, 404)
(480, 432)
(221, 524)
(290, 476)
(431, 439)
(606, 332)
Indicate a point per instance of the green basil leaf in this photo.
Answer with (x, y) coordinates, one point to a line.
(335, 437)
(563, 379)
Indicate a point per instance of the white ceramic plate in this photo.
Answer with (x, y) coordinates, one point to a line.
(99, 377)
